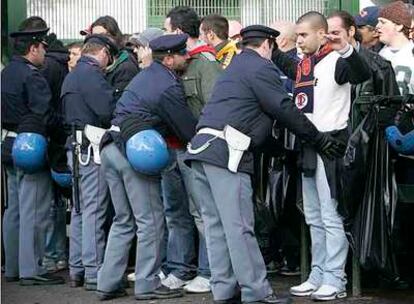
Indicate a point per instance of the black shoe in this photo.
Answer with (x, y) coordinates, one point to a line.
(44, 279)
(234, 300)
(104, 295)
(272, 299)
(90, 285)
(11, 279)
(76, 281)
(162, 292)
(289, 272)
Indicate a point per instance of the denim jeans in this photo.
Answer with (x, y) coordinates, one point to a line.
(329, 243)
(181, 230)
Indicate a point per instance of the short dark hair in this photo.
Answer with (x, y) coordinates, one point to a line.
(216, 23)
(32, 23)
(22, 46)
(315, 18)
(109, 23)
(186, 19)
(348, 21)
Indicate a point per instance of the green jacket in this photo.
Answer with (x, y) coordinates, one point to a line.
(199, 80)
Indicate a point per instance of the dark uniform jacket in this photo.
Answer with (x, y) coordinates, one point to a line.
(248, 97)
(154, 99)
(87, 97)
(121, 72)
(25, 100)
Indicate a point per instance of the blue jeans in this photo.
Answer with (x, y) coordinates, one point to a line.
(329, 243)
(180, 248)
(56, 231)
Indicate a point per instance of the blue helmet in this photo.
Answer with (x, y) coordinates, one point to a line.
(403, 144)
(147, 152)
(29, 152)
(63, 179)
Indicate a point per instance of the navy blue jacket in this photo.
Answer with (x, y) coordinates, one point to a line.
(155, 98)
(249, 96)
(24, 90)
(86, 95)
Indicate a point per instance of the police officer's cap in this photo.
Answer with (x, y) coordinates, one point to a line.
(169, 44)
(36, 35)
(104, 41)
(258, 31)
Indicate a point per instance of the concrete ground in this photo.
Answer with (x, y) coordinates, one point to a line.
(13, 293)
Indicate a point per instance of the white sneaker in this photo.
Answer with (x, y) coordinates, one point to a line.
(303, 290)
(327, 293)
(198, 285)
(173, 282)
(131, 277)
(162, 275)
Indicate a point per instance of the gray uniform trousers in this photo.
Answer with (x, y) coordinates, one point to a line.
(138, 209)
(227, 210)
(25, 220)
(87, 235)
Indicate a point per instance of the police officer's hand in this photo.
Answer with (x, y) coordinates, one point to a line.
(329, 146)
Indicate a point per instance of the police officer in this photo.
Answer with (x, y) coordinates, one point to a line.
(237, 119)
(26, 107)
(88, 100)
(153, 100)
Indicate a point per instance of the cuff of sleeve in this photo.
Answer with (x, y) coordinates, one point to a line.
(346, 51)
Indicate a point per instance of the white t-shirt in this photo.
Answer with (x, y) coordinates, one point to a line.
(402, 61)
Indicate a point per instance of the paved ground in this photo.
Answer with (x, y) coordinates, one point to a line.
(13, 293)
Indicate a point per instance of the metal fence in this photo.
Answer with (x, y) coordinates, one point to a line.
(67, 17)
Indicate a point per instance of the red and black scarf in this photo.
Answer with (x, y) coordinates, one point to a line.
(305, 79)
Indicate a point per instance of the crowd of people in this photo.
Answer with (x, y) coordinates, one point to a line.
(217, 95)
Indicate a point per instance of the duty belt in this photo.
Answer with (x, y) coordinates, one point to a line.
(94, 136)
(237, 143)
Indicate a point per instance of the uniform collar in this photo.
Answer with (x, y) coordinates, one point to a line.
(21, 59)
(158, 64)
(89, 60)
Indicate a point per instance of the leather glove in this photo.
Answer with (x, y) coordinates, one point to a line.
(329, 146)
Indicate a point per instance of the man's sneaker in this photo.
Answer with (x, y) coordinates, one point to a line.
(272, 299)
(162, 292)
(44, 279)
(131, 277)
(327, 293)
(105, 295)
(162, 276)
(49, 265)
(61, 265)
(198, 285)
(173, 282)
(90, 284)
(303, 290)
(289, 272)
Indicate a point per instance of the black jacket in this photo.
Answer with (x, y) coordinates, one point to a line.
(121, 72)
